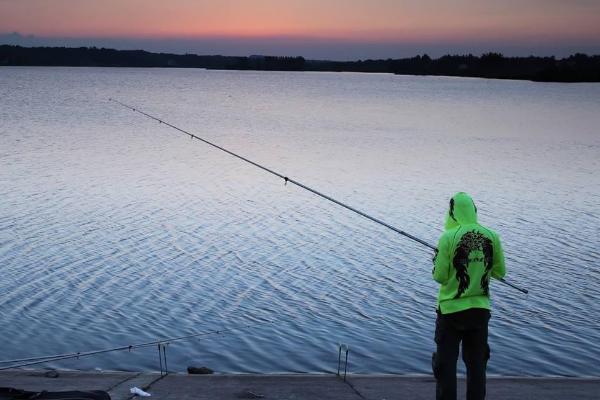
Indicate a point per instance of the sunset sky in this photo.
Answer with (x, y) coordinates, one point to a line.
(335, 29)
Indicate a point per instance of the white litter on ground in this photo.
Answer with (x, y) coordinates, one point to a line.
(139, 392)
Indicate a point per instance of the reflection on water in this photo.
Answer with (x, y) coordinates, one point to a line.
(114, 229)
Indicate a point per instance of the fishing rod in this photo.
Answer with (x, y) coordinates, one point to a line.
(300, 185)
(24, 362)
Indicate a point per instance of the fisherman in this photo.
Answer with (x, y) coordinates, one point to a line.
(468, 254)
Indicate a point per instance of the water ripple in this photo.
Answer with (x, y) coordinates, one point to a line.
(114, 230)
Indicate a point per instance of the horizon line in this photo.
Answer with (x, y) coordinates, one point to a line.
(490, 52)
(309, 47)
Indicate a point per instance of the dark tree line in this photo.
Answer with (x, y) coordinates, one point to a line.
(576, 68)
(95, 57)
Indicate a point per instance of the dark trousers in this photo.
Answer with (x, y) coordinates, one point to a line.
(471, 328)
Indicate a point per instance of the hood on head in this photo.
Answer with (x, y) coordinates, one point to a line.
(462, 211)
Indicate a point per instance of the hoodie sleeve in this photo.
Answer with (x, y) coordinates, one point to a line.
(441, 261)
(498, 269)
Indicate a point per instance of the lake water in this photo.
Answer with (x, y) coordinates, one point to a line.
(115, 229)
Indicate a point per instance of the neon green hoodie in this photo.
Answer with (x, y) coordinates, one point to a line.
(466, 256)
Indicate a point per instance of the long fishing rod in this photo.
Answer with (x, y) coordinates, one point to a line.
(24, 362)
(301, 185)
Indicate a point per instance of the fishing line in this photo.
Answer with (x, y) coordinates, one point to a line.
(299, 184)
(23, 362)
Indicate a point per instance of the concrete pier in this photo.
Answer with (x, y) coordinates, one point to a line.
(292, 387)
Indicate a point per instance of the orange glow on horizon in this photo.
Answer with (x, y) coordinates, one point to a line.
(352, 20)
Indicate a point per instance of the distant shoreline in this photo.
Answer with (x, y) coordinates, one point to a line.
(575, 68)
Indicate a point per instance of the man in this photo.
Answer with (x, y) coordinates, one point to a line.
(468, 254)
